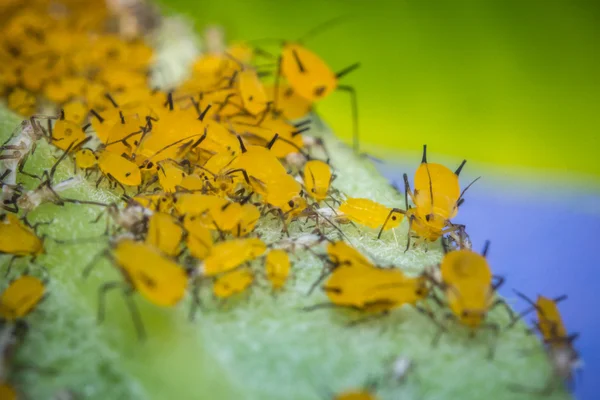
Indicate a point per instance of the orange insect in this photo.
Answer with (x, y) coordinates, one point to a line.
(21, 297)
(558, 343)
(277, 268)
(437, 197)
(317, 179)
(311, 78)
(469, 290)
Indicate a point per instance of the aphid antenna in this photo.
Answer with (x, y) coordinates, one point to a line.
(235, 59)
(460, 198)
(180, 141)
(323, 27)
(533, 307)
(79, 145)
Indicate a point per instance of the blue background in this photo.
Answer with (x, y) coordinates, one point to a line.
(544, 240)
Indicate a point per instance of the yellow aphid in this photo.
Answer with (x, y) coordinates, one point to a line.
(103, 123)
(289, 103)
(162, 202)
(232, 283)
(75, 111)
(20, 297)
(465, 265)
(249, 217)
(370, 213)
(341, 253)
(124, 135)
(17, 238)
(317, 179)
(372, 288)
(192, 182)
(164, 233)
(307, 73)
(252, 91)
(239, 219)
(282, 191)
(198, 240)
(65, 88)
(85, 159)
(170, 176)
(241, 52)
(66, 133)
(358, 394)
(277, 268)
(230, 254)
(119, 168)
(7, 392)
(22, 102)
(196, 203)
(157, 278)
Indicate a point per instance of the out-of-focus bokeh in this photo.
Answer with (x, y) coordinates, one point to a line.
(505, 82)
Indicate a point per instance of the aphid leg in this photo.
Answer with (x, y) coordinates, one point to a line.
(135, 313)
(117, 183)
(276, 88)
(9, 265)
(392, 212)
(196, 302)
(104, 289)
(88, 269)
(410, 222)
(283, 221)
(99, 181)
(501, 302)
(352, 92)
(495, 329)
(319, 306)
(407, 191)
(324, 274)
(244, 173)
(431, 316)
(368, 318)
(21, 168)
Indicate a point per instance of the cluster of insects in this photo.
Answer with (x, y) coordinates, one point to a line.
(200, 166)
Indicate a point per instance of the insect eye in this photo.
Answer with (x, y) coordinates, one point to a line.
(250, 98)
(428, 217)
(393, 217)
(313, 190)
(291, 203)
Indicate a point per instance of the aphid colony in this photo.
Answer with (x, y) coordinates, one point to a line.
(199, 166)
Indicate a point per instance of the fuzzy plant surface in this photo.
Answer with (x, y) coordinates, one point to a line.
(259, 345)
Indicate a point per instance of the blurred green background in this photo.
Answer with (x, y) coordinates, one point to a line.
(506, 82)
